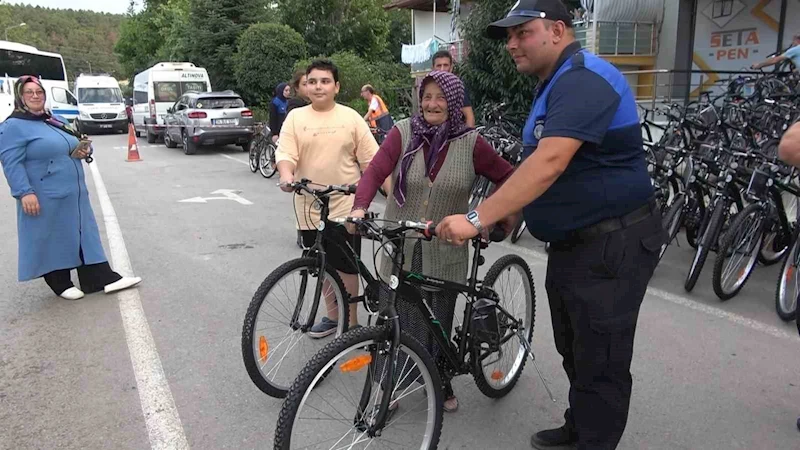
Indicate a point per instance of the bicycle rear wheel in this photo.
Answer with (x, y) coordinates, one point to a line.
(266, 164)
(275, 344)
(337, 396)
(496, 372)
(255, 148)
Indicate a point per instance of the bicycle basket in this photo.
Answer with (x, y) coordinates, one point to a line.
(758, 185)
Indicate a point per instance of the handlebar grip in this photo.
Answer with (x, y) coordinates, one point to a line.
(430, 230)
(351, 189)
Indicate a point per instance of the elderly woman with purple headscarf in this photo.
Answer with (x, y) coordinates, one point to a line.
(433, 159)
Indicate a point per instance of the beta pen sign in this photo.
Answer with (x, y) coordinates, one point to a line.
(730, 35)
(734, 44)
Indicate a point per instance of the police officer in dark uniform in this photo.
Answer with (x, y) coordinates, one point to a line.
(584, 188)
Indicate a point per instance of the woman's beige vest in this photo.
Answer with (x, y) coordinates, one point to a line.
(433, 201)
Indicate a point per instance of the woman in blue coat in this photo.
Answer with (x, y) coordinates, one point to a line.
(55, 222)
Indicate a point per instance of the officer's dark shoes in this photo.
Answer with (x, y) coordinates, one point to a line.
(555, 439)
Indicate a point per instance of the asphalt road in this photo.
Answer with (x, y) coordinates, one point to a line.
(707, 375)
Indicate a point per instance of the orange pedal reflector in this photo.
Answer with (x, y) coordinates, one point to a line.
(263, 348)
(356, 364)
(497, 375)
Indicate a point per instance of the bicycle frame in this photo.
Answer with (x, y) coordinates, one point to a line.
(405, 283)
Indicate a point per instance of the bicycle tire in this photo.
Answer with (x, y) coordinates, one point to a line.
(320, 366)
(672, 222)
(732, 238)
(706, 242)
(510, 379)
(775, 244)
(249, 338)
(786, 299)
(267, 165)
(519, 230)
(697, 213)
(255, 156)
(479, 192)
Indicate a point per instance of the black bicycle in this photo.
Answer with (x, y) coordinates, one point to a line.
(380, 384)
(275, 344)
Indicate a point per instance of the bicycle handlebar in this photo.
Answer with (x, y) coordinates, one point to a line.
(302, 185)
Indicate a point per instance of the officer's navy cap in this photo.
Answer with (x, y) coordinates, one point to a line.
(527, 10)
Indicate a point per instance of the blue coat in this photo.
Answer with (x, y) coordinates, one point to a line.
(35, 159)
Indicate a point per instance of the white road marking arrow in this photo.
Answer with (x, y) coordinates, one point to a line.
(227, 194)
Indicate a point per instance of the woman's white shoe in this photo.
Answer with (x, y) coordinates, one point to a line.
(72, 293)
(124, 283)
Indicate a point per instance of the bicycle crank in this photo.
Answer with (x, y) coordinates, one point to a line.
(529, 350)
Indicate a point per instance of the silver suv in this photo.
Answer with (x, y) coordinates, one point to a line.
(208, 118)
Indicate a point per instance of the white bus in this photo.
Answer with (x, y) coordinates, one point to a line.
(18, 59)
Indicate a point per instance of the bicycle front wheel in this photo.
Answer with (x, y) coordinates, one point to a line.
(709, 238)
(497, 371)
(738, 252)
(336, 399)
(519, 230)
(789, 283)
(275, 340)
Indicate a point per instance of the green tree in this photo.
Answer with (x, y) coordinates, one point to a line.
(330, 26)
(488, 71)
(83, 38)
(391, 80)
(399, 32)
(139, 42)
(216, 26)
(265, 57)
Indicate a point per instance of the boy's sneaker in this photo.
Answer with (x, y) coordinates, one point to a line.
(324, 328)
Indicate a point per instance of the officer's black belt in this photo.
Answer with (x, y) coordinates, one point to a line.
(613, 224)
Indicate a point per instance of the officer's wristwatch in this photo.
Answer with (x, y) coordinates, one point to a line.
(472, 216)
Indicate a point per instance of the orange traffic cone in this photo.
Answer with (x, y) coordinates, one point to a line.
(133, 146)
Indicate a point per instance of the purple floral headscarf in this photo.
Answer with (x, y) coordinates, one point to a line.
(436, 136)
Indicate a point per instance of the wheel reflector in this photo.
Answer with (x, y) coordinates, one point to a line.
(497, 375)
(355, 364)
(263, 348)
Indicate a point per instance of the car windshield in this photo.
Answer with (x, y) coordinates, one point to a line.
(99, 95)
(170, 91)
(219, 103)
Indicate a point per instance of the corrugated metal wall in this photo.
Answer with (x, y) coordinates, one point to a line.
(626, 10)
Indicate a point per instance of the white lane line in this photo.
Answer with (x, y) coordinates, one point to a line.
(683, 301)
(235, 159)
(164, 427)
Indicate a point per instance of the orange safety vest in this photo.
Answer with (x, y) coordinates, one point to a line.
(375, 115)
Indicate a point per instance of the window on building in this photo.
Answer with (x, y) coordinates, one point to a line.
(722, 8)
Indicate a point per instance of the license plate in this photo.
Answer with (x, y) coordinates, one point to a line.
(224, 121)
(105, 125)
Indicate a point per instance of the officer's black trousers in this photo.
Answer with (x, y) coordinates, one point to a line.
(595, 289)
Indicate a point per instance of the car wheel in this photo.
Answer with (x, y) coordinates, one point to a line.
(189, 147)
(168, 141)
(151, 137)
(246, 147)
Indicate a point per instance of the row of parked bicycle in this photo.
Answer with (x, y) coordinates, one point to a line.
(717, 176)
